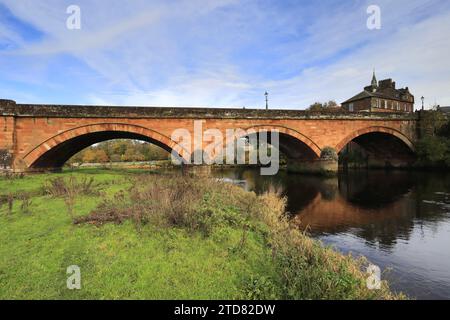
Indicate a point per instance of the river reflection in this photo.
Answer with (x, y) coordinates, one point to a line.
(398, 220)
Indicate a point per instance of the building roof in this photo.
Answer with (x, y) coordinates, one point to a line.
(384, 89)
(445, 109)
(367, 94)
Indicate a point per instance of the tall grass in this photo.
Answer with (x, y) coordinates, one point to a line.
(305, 268)
(61, 187)
(178, 201)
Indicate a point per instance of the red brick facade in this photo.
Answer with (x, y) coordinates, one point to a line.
(29, 136)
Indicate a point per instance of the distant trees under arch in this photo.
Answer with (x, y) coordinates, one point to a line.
(120, 150)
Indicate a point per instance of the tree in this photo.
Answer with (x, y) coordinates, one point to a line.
(115, 158)
(323, 107)
(89, 156)
(432, 122)
(153, 152)
(101, 156)
(316, 107)
(432, 149)
(120, 150)
(444, 131)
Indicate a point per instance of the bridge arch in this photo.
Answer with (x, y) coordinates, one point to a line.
(377, 147)
(375, 129)
(291, 138)
(293, 144)
(55, 151)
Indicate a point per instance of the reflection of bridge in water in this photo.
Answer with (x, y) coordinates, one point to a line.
(377, 206)
(377, 212)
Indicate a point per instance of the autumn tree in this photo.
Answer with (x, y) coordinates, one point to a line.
(323, 107)
(119, 151)
(89, 156)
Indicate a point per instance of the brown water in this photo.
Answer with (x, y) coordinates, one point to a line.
(398, 220)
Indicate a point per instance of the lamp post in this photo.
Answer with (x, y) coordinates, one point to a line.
(267, 100)
(423, 100)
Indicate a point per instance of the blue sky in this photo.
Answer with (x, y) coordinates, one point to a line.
(223, 53)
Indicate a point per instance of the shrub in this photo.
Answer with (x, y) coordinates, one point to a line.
(5, 159)
(60, 187)
(179, 201)
(26, 203)
(433, 150)
(10, 201)
(328, 153)
(258, 288)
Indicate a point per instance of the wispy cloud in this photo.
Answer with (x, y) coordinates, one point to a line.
(221, 53)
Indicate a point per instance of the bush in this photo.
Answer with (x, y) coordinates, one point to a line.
(259, 288)
(192, 203)
(26, 204)
(328, 153)
(60, 187)
(433, 150)
(5, 159)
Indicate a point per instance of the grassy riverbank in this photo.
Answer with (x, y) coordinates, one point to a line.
(161, 236)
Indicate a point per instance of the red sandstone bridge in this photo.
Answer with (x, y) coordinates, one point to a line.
(40, 137)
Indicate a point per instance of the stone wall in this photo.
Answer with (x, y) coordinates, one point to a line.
(30, 131)
(7, 126)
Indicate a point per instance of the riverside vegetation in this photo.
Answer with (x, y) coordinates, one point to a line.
(140, 235)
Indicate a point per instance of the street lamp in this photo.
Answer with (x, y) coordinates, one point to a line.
(267, 100)
(423, 100)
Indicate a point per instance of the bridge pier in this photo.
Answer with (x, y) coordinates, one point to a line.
(197, 170)
(7, 134)
(316, 166)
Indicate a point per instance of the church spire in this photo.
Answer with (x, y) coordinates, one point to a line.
(374, 80)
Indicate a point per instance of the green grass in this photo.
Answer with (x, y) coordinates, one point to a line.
(34, 182)
(116, 261)
(210, 241)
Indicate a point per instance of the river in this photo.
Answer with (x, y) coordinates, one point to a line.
(400, 221)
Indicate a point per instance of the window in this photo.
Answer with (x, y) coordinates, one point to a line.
(350, 107)
(385, 104)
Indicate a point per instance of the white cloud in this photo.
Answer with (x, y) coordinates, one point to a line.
(228, 53)
(415, 56)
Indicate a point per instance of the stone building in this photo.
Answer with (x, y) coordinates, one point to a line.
(381, 96)
(445, 109)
